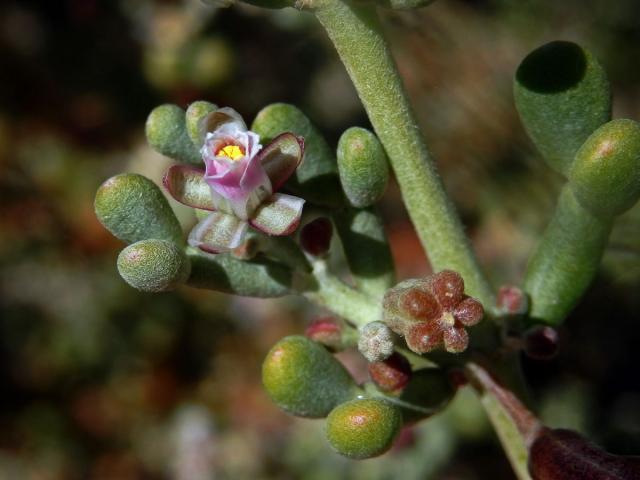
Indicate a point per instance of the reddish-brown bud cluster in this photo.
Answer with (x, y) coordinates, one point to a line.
(315, 236)
(432, 312)
(391, 375)
(325, 330)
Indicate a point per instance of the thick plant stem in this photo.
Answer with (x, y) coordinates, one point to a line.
(357, 36)
(566, 260)
(335, 295)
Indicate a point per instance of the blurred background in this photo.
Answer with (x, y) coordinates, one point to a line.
(101, 382)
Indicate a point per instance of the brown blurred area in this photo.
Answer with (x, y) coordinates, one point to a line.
(100, 382)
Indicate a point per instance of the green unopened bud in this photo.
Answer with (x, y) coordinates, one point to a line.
(316, 179)
(133, 208)
(562, 94)
(304, 379)
(153, 265)
(259, 277)
(166, 132)
(605, 176)
(363, 428)
(363, 167)
(195, 121)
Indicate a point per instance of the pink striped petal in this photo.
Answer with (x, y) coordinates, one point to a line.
(219, 232)
(281, 158)
(280, 215)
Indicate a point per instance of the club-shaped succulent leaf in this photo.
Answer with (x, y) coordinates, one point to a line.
(303, 378)
(363, 167)
(195, 120)
(166, 132)
(259, 277)
(133, 208)
(363, 428)
(316, 179)
(153, 265)
(605, 176)
(562, 94)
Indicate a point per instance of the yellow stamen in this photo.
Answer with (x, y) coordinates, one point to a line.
(234, 152)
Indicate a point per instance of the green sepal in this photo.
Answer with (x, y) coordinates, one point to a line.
(404, 4)
(562, 94)
(195, 120)
(304, 379)
(316, 179)
(153, 265)
(166, 132)
(259, 277)
(133, 208)
(366, 249)
(363, 167)
(605, 176)
(566, 260)
(363, 428)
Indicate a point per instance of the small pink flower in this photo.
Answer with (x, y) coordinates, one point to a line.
(238, 183)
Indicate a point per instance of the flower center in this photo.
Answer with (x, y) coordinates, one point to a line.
(233, 152)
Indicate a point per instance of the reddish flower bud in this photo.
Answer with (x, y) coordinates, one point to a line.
(326, 331)
(541, 343)
(315, 236)
(512, 300)
(448, 286)
(469, 312)
(392, 374)
(565, 455)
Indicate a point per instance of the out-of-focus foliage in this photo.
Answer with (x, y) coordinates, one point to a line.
(99, 381)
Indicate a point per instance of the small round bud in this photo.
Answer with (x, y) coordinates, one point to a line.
(376, 341)
(541, 343)
(315, 236)
(325, 331)
(605, 176)
(512, 300)
(391, 375)
(363, 167)
(153, 265)
(363, 428)
(304, 379)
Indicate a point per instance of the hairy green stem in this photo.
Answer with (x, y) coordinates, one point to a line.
(335, 295)
(566, 260)
(358, 38)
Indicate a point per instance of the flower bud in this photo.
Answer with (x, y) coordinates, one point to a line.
(512, 300)
(562, 94)
(605, 176)
(376, 342)
(559, 454)
(304, 379)
(391, 375)
(363, 167)
(153, 265)
(327, 332)
(315, 236)
(541, 343)
(133, 208)
(363, 428)
(316, 179)
(166, 132)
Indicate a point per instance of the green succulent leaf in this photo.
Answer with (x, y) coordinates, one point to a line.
(363, 428)
(153, 265)
(316, 178)
(259, 277)
(133, 208)
(304, 379)
(195, 121)
(166, 132)
(427, 393)
(562, 94)
(363, 167)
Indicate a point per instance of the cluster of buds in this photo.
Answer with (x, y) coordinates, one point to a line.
(432, 312)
